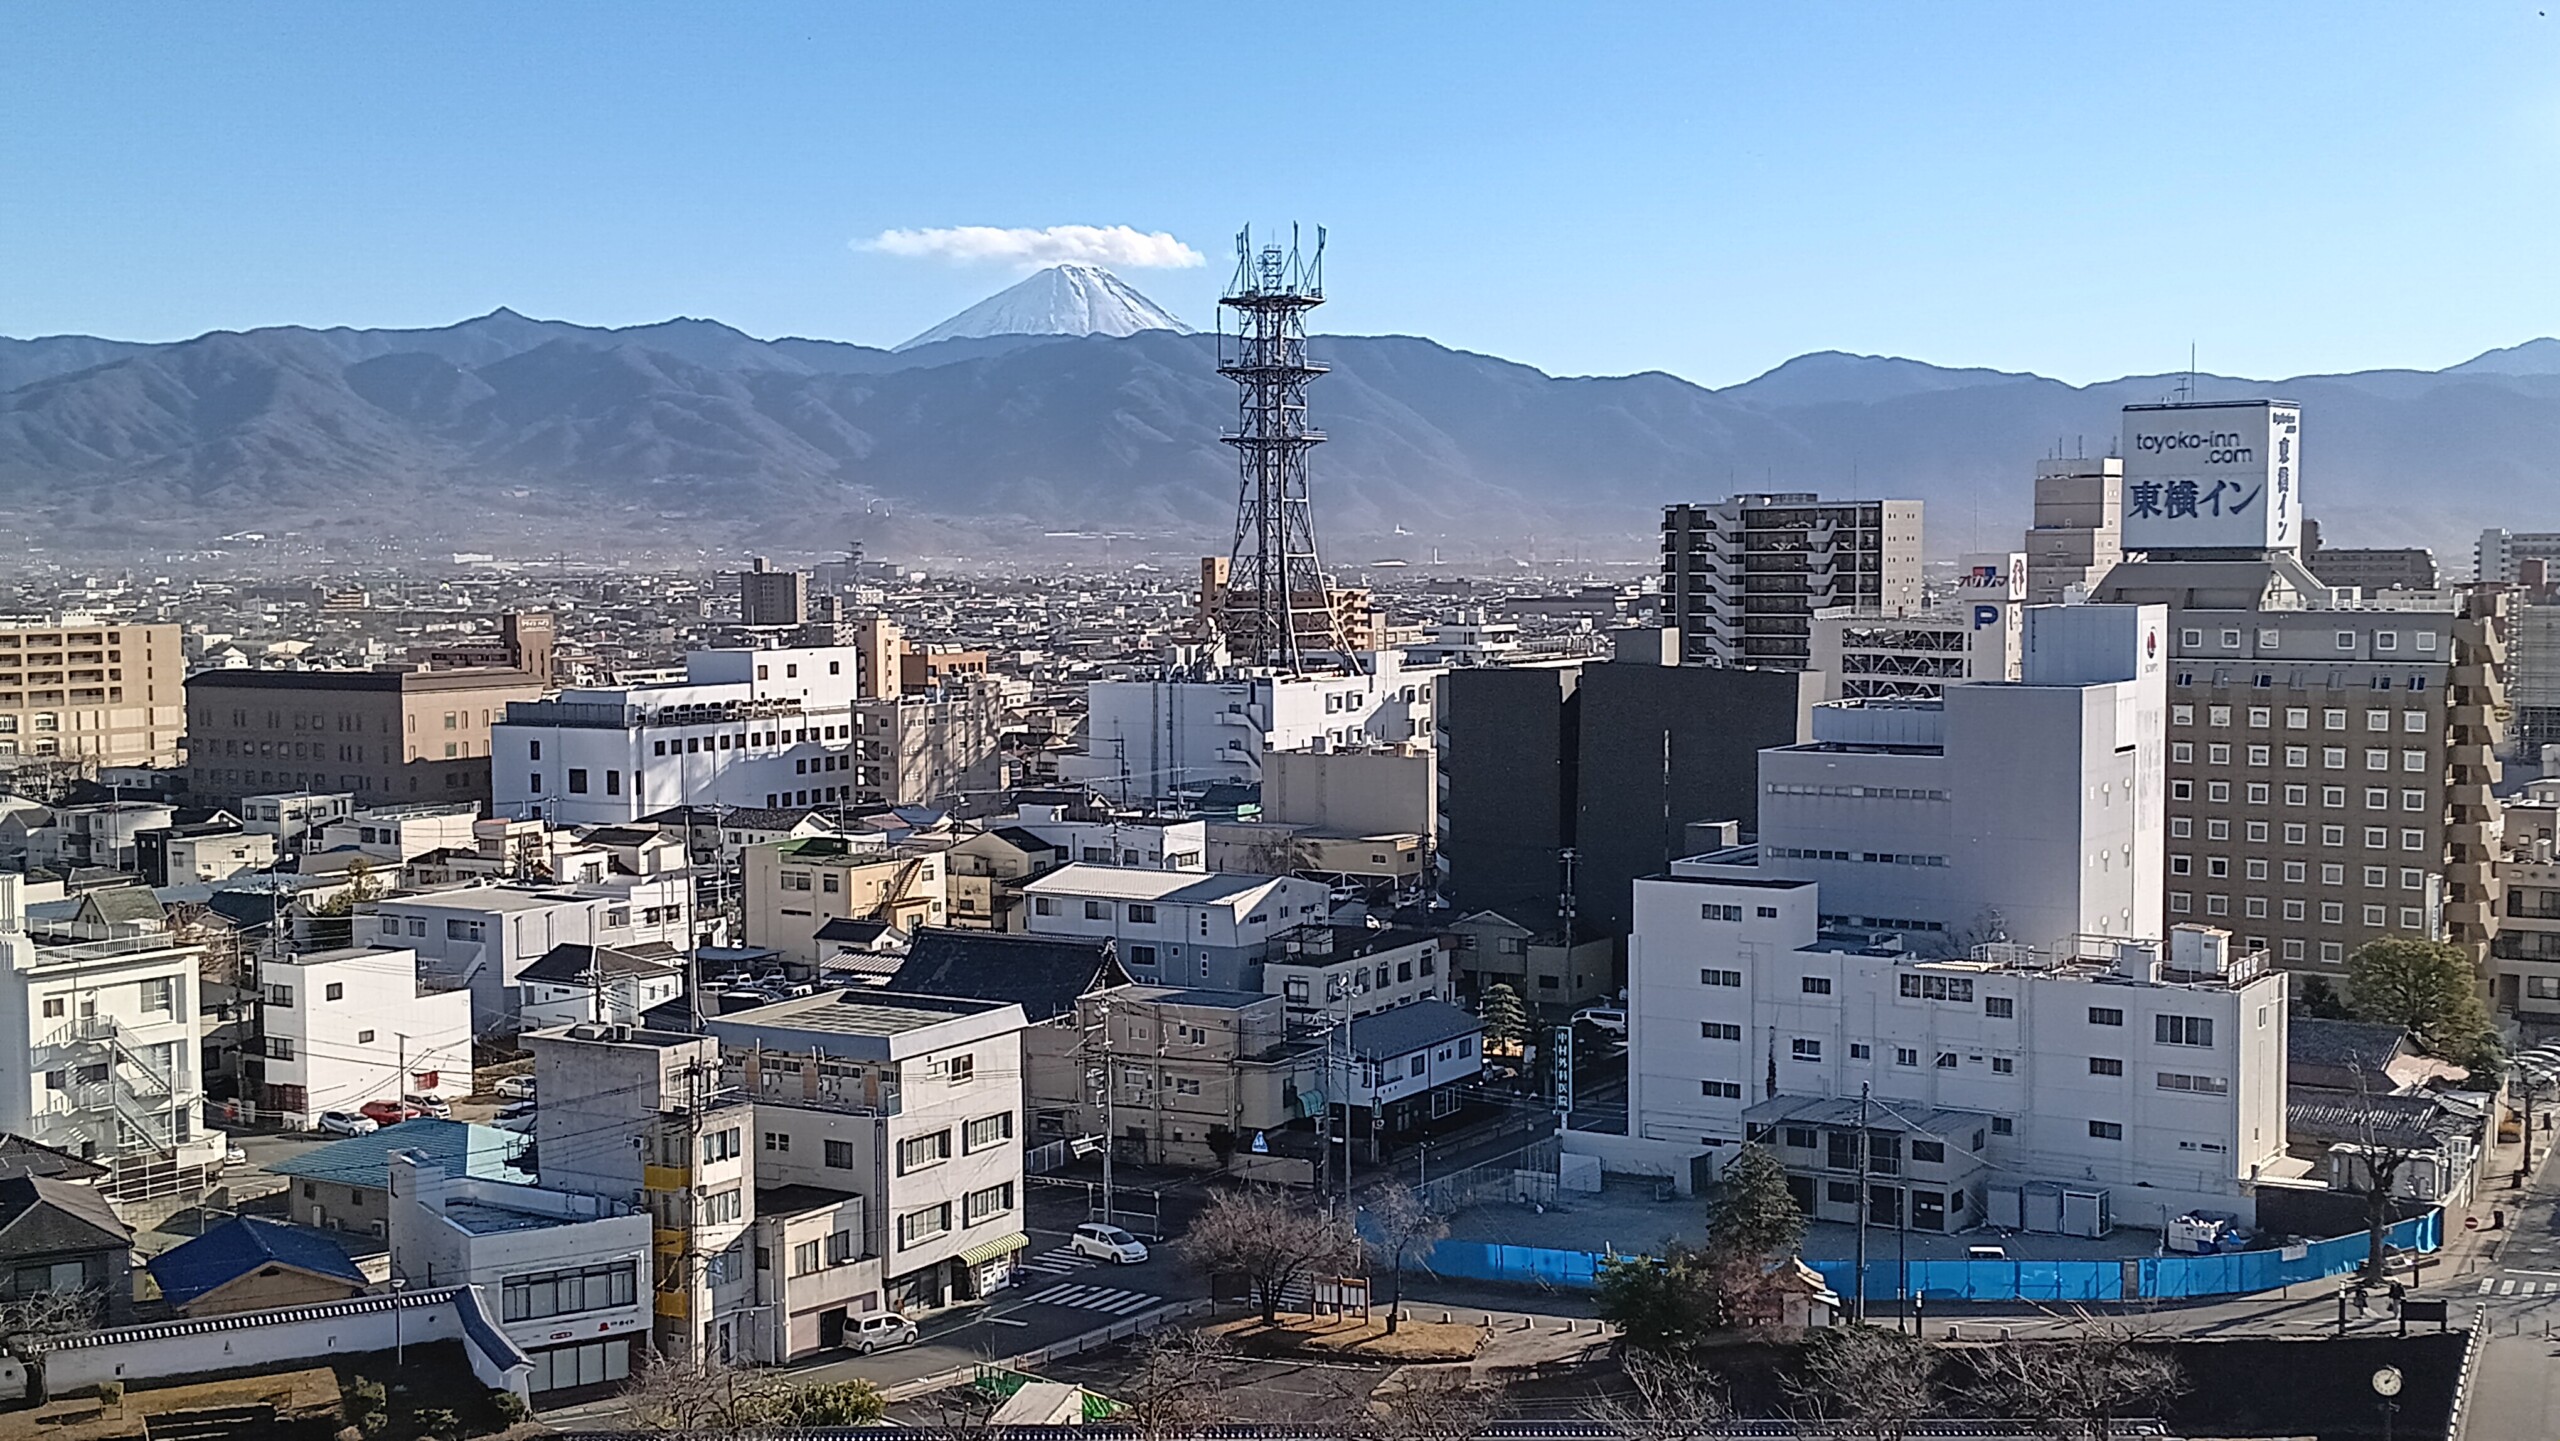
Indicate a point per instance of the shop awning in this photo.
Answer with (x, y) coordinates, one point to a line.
(985, 1251)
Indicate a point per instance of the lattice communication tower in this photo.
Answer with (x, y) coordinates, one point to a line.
(1279, 608)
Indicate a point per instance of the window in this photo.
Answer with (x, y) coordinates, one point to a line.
(2105, 1066)
(1930, 1151)
(1999, 1007)
(335, 991)
(1803, 1049)
(364, 1038)
(986, 1131)
(2106, 1130)
(1817, 985)
(1841, 1193)
(1097, 910)
(924, 1224)
(2003, 1126)
(2004, 1065)
(978, 1206)
(804, 1258)
(724, 1206)
(1905, 1056)
(720, 1145)
(2105, 1016)
(960, 1069)
(778, 1141)
(1721, 1090)
(2201, 1085)
(577, 780)
(1719, 978)
(1043, 906)
(839, 1155)
(1141, 915)
(1939, 988)
(2183, 1030)
(1858, 1050)
(1719, 1031)
(1719, 913)
(841, 1248)
(566, 1293)
(52, 1006)
(279, 1048)
(1946, 1060)
(160, 996)
(473, 931)
(917, 1152)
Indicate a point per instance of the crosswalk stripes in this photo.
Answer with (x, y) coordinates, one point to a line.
(2510, 1286)
(1058, 1261)
(1094, 1298)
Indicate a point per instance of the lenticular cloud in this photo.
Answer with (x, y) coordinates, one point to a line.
(1107, 245)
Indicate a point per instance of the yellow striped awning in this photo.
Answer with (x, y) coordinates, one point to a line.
(985, 1251)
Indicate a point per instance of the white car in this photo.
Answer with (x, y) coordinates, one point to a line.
(516, 1088)
(879, 1332)
(1604, 1018)
(347, 1123)
(1108, 1243)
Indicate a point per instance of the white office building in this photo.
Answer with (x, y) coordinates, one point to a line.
(343, 1027)
(1156, 739)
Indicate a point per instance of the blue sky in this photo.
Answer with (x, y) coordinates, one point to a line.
(2080, 190)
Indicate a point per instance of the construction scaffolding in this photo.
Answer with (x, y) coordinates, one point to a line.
(1279, 608)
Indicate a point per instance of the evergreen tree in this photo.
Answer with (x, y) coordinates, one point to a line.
(2427, 988)
(1505, 1017)
(1753, 1218)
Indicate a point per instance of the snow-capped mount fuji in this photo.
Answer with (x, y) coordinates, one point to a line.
(1061, 300)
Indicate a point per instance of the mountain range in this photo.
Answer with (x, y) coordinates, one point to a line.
(1060, 300)
(543, 435)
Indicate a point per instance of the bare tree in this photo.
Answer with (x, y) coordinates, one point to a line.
(1179, 1386)
(1405, 1225)
(1271, 1241)
(1867, 1381)
(2079, 1386)
(1441, 1403)
(30, 1323)
(1666, 1398)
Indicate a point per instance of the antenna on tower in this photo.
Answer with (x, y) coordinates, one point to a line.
(1280, 608)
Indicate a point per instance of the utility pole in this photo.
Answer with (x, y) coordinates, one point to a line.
(1858, 1286)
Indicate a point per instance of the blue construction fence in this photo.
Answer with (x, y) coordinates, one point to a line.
(2230, 1273)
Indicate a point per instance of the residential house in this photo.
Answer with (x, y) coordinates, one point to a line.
(253, 1263)
(1552, 978)
(484, 936)
(347, 1026)
(1415, 1064)
(345, 1185)
(985, 873)
(1177, 927)
(63, 1237)
(615, 984)
(1193, 1076)
(795, 888)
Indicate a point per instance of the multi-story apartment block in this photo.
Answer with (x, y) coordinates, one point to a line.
(1172, 1076)
(346, 1026)
(2524, 960)
(569, 1274)
(103, 1007)
(1327, 973)
(1188, 928)
(762, 728)
(1865, 654)
(647, 1119)
(400, 734)
(1742, 578)
(2078, 533)
(796, 891)
(90, 692)
(910, 1104)
(769, 597)
(2499, 556)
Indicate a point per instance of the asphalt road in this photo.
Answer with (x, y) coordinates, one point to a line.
(2517, 1390)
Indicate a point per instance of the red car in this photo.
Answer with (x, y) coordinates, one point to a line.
(387, 1113)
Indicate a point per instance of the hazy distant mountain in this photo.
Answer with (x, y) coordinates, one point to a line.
(533, 433)
(1061, 300)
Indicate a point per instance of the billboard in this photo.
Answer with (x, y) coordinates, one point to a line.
(2222, 476)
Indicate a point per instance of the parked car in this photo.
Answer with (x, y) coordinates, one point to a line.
(387, 1113)
(347, 1123)
(880, 1331)
(516, 1088)
(1109, 1243)
(234, 1155)
(428, 1106)
(1604, 1018)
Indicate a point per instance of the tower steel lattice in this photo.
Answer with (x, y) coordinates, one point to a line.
(1279, 607)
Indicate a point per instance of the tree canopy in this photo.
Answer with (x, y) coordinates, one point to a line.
(2425, 987)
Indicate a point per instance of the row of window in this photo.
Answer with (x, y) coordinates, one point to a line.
(2266, 680)
(2332, 873)
(2260, 793)
(2332, 913)
(2333, 718)
(2297, 833)
(2271, 638)
(1880, 858)
(2376, 758)
(566, 1293)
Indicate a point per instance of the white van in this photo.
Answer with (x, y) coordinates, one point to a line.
(1108, 1243)
(1604, 1018)
(879, 1332)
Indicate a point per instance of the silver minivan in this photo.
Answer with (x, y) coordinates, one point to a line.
(879, 1332)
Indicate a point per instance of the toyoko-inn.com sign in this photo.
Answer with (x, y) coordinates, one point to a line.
(2213, 476)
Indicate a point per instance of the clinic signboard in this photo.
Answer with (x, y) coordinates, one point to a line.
(2218, 476)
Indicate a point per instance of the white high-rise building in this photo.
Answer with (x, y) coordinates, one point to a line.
(1153, 739)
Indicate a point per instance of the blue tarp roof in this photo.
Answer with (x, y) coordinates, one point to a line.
(239, 1247)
